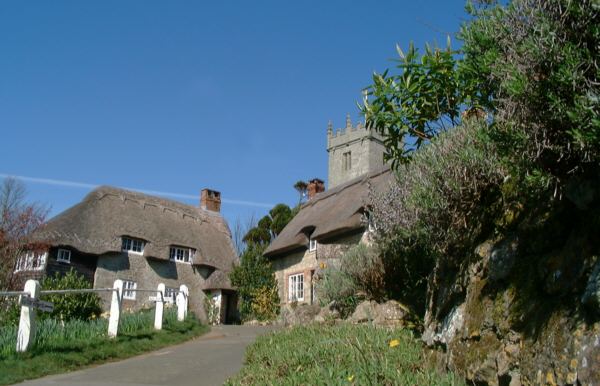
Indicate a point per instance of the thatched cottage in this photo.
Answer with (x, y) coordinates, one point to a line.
(142, 240)
(330, 221)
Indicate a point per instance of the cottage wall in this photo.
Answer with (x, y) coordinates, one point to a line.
(148, 273)
(309, 263)
(82, 263)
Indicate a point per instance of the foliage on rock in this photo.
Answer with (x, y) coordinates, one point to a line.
(519, 172)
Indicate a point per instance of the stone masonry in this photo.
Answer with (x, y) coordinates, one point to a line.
(310, 262)
(353, 152)
(148, 273)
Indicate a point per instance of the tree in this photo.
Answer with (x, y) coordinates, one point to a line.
(18, 221)
(270, 225)
(254, 277)
(301, 187)
(240, 229)
(425, 98)
(532, 64)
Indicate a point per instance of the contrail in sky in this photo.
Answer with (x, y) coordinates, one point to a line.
(72, 184)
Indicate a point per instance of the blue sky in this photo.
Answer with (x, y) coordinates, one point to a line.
(175, 96)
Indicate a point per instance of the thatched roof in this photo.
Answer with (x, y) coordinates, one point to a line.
(97, 224)
(330, 214)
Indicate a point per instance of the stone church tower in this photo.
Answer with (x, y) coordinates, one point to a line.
(353, 151)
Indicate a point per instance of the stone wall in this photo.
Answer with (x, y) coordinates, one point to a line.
(309, 262)
(148, 274)
(83, 264)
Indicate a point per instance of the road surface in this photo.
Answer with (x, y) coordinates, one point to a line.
(208, 360)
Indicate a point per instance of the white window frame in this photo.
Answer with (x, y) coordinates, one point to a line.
(312, 245)
(128, 286)
(31, 261)
(296, 287)
(182, 254)
(132, 245)
(63, 256)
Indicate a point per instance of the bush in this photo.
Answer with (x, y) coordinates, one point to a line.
(438, 200)
(71, 306)
(336, 286)
(265, 303)
(541, 57)
(438, 205)
(253, 273)
(359, 275)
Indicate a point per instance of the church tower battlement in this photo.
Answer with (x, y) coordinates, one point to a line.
(353, 151)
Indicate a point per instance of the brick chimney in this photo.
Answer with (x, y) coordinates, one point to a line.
(210, 200)
(315, 186)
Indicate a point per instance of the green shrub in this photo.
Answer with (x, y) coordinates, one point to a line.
(265, 303)
(71, 306)
(541, 57)
(358, 275)
(253, 272)
(336, 286)
(438, 205)
(439, 198)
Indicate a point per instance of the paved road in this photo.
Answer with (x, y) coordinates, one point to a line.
(208, 360)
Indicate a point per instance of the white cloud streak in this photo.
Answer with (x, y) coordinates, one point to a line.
(81, 185)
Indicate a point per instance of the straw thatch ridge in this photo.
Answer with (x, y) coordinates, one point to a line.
(330, 214)
(97, 224)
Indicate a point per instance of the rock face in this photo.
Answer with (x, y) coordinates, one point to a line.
(298, 315)
(591, 295)
(390, 313)
(525, 310)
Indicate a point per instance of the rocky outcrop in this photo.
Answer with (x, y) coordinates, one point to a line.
(525, 310)
(297, 315)
(390, 313)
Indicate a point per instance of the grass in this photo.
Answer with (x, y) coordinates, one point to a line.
(60, 348)
(338, 355)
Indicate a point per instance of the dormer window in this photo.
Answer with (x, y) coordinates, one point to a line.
(181, 254)
(312, 245)
(133, 245)
(63, 256)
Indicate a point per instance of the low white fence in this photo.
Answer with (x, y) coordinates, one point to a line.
(29, 299)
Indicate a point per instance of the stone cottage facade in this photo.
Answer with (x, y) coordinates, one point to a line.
(331, 221)
(142, 240)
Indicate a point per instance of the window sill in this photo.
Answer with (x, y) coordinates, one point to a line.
(181, 262)
(134, 253)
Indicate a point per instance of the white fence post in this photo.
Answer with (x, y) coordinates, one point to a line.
(182, 302)
(158, 310)
(115, 309)
(26, 332)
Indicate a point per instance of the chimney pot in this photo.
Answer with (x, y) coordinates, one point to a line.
(315, 186)
(210, 200)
